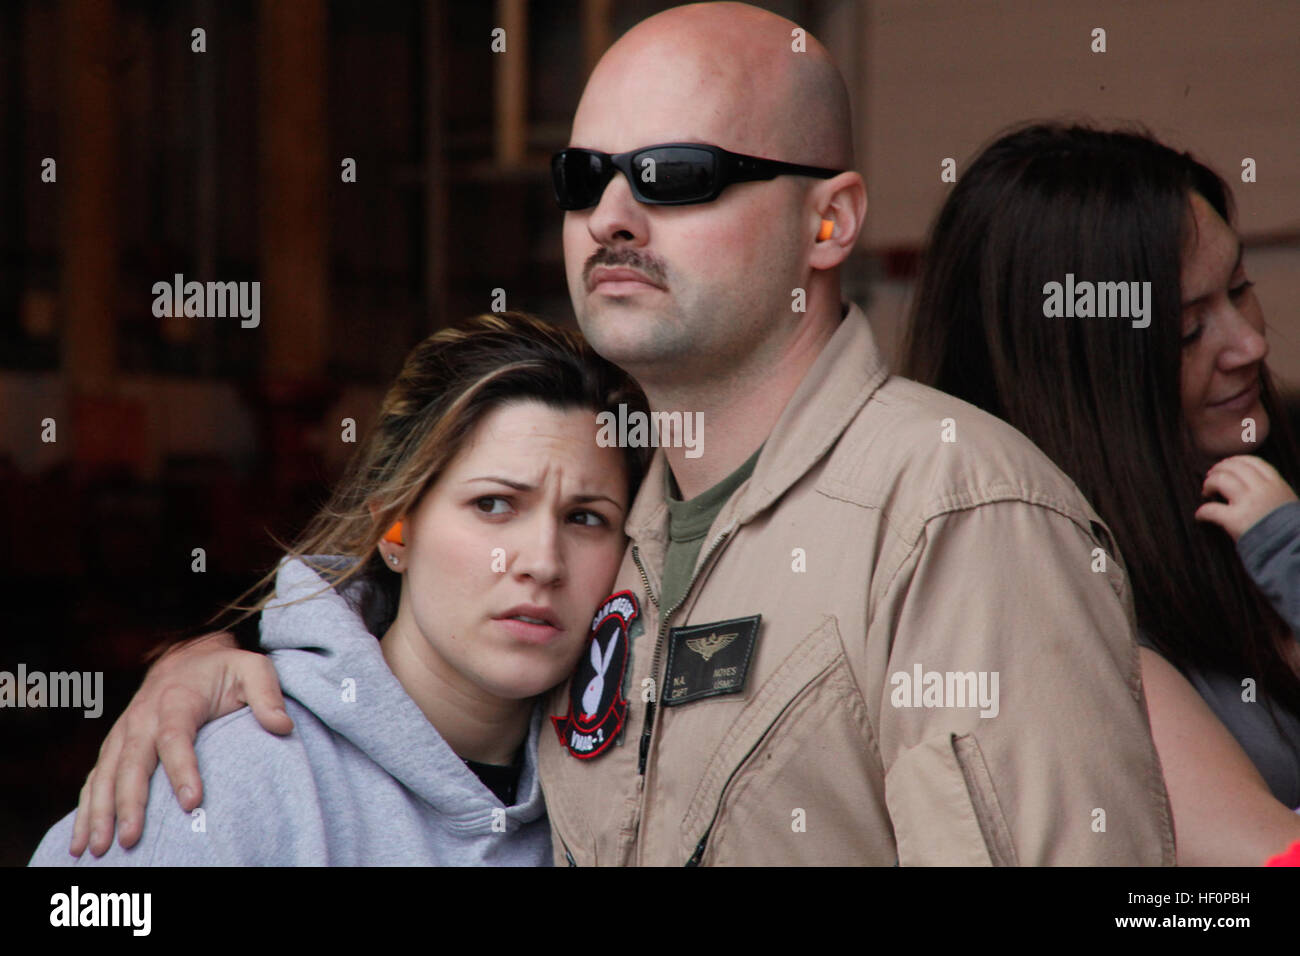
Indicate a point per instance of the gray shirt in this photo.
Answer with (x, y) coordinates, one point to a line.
(1270, 551)
(363, 779)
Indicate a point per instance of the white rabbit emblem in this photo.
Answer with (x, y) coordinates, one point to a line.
(596, 686)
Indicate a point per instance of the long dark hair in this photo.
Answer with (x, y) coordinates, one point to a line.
(448, 384)
(1100, 397)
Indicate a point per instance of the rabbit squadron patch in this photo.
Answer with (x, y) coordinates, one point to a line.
(597, 707)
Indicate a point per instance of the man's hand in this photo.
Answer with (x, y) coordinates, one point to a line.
(1252, 488)
(188, 686)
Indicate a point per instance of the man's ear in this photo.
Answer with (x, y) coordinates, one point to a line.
(842, 201)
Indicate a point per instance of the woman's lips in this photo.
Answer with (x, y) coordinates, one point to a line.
(1241, 401)
(527, 632)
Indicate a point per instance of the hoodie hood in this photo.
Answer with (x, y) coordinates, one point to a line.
(332, 664)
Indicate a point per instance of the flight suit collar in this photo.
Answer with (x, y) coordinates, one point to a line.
(840, 381)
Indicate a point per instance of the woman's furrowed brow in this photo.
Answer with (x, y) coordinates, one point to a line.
(509, 483)
(523, 486)
(584, 499)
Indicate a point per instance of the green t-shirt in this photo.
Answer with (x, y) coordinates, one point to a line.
(688, 523)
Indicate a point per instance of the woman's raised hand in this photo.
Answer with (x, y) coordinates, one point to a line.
(1251, 488)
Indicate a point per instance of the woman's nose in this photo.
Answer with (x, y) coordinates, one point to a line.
(540, 556)
(1246, 344)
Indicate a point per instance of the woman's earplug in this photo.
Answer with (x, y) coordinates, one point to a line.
(828, 227)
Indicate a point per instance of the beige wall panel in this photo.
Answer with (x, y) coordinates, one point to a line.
(1219, 78)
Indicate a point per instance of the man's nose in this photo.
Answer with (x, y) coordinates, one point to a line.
(618, 217)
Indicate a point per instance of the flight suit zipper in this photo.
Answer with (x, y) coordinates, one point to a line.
(644, 746)
(568, 856)
(664, 617)
(699, 848)
(722, 795)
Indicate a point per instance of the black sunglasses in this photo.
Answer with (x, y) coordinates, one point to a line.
(670, 174)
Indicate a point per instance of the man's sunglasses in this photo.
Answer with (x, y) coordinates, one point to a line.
(670, 174)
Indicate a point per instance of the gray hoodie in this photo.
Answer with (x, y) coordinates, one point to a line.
(363, 779)
(1270, 550)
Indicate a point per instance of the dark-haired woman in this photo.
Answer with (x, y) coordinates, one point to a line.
(1087, 287)
(474, 535)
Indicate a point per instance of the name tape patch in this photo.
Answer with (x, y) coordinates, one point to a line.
(709, 660)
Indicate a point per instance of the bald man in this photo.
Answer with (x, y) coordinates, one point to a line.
(864, 622)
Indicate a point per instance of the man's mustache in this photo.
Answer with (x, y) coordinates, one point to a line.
(627, 258)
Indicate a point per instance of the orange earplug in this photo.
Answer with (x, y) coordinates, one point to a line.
(828, 226)
(394, 534)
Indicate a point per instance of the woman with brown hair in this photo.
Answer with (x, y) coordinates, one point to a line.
(1136, 404)
(450, 580)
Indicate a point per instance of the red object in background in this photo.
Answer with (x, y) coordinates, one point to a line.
(1290, 858)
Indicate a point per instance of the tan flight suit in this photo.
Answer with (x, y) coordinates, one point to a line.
(943, 669)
